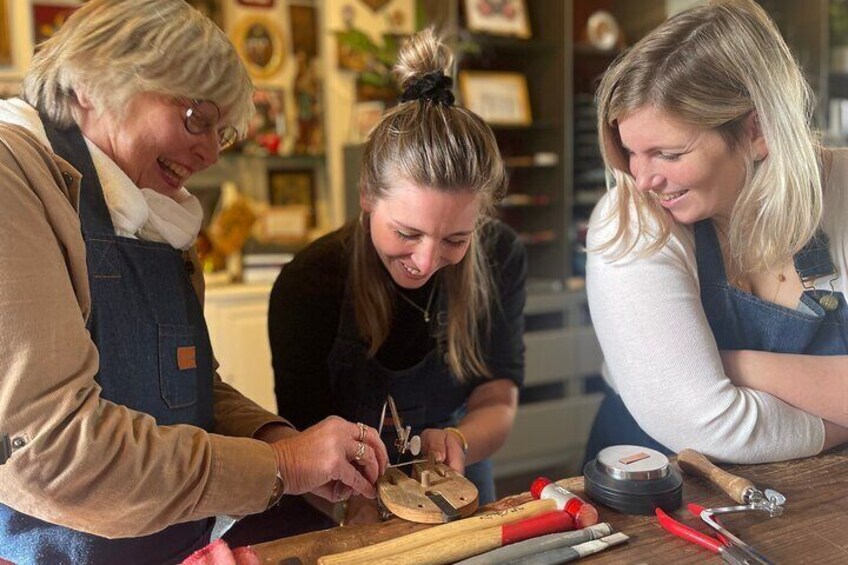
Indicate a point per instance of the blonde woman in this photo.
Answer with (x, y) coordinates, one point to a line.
(719, 256)
(422, 297)
(126, 442)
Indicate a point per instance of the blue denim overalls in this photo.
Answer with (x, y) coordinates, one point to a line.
(144, 309)
(427, 394)
(740, 320)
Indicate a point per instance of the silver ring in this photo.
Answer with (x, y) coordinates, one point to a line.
(360, 452)
(363, 431)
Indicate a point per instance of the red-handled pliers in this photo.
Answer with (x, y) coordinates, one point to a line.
(718, 545)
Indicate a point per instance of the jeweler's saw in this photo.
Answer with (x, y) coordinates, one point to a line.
(433, 493)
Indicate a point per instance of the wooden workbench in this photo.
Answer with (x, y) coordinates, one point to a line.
(812, 529)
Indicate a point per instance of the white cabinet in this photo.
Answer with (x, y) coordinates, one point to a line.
(237, 316)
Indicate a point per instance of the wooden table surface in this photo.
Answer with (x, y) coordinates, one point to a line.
(812, 529)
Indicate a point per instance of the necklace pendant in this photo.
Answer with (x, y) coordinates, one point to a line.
(829, 302)
(426, 317)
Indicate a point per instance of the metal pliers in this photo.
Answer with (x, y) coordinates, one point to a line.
(720, 545)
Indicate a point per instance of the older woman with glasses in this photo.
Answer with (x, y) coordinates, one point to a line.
(126, 443)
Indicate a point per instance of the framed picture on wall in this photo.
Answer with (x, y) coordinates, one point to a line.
(267, 128)
(500, 98)
(259, 42)
(48, 17)
(304, 30)
(293, 187)
(498, 17)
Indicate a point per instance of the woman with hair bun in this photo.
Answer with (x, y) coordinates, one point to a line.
(421, 298)
(718, 260)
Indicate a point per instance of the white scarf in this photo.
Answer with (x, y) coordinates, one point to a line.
(138, 213)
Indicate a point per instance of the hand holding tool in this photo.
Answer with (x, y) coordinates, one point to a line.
(434, 494)
(738, 488)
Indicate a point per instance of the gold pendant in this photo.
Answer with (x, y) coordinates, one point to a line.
(829, 302)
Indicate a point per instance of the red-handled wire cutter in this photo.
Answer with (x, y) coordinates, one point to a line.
(720, 545)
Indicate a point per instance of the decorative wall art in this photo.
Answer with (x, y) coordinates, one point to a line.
(304, 29)
(309, 137)
(498, 17)
(499, 98)
(371, 61)
(287, 187)
(259, 42)
(267, 127)
(47, 18)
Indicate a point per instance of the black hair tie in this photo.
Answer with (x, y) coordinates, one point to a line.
(435, 86)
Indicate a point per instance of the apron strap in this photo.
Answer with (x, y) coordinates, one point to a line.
(813, 261)
(708, 254)
(68, 143)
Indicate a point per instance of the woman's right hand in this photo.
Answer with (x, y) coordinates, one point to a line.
(323, 460)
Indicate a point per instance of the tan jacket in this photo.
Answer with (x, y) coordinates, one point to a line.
(84, 462)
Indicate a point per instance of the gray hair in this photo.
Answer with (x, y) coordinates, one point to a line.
(711, 67)
(111, 50)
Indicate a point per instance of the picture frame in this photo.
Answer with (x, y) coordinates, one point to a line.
(504, 17)
(304, 29)
(268, 127)
(48, 17)
(259, 42)
(284, 224)
(500, 98)
(293, 187)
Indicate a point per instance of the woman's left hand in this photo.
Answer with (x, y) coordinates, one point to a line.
(445, 446)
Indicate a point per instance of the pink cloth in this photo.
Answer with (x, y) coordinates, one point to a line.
(219, 553)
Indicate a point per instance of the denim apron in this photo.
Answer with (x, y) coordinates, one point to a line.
(144, 314)
(427, 394)
(740, 320)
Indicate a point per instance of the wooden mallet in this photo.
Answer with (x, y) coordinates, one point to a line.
(457, 548)
(451, 531)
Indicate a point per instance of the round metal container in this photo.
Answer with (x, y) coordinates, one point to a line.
(633, 480)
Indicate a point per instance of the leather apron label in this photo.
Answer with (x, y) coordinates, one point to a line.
(186, 358)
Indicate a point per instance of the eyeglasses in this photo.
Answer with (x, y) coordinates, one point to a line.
(202, 116)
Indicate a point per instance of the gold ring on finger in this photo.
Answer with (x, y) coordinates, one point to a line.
(360, 451)
(363, 430)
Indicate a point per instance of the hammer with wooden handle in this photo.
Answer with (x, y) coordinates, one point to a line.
(455, 548)
(738, 488)
(393, 547)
